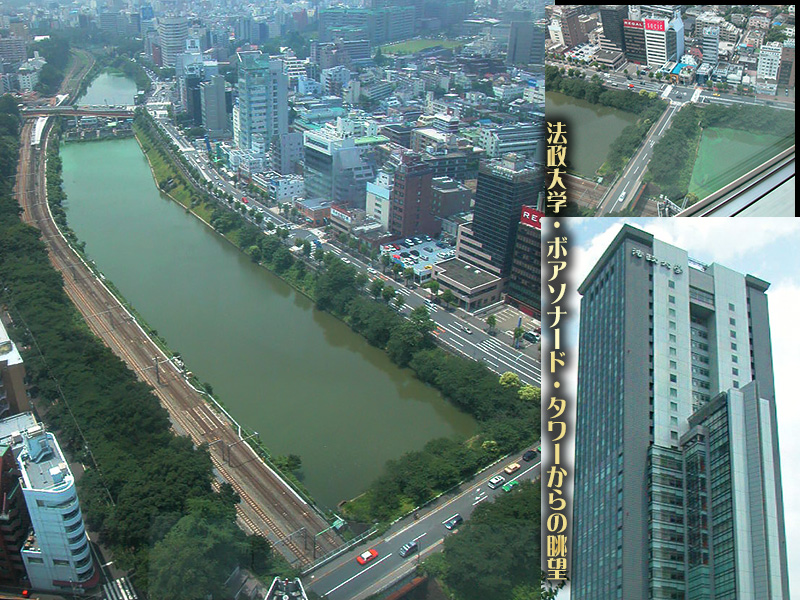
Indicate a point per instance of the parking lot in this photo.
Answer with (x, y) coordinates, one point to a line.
(419, 253)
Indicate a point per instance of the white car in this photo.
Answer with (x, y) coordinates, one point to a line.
(496, 481)
(346, 260)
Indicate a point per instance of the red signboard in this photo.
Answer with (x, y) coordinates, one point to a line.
(531, 217)
(634, 24)
(653, 25)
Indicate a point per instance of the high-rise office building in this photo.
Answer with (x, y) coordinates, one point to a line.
(263, 104)
(786, 69)
(635, 49)
(663, 38)
(574, 34)
(212, 104)
(525, 282)
(337, 168)
(711, 45)
(504, 187)
(677, 472)
(612, 16)
(526, 43)
(172, 34)
(410, 208)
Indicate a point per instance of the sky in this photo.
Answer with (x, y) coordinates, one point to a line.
(766, 248)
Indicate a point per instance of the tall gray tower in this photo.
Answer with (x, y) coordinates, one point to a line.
(677, 472)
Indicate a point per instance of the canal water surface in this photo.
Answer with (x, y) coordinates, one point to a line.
(299, 377)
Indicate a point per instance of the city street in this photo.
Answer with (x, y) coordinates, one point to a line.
(345, 579)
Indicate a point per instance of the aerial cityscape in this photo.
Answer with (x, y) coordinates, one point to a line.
(671, 105)
(271, 312)
(269, 299)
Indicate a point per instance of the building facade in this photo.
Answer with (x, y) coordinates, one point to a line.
(172, 34)
(263, 103)
(524, 285)
(411, 199)
(674, 383)
(612, 16)
(212, 105)
(504, 187)
(13, 394)
(711, 45)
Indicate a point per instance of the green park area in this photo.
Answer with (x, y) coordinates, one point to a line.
(411, 46)
(727, 154)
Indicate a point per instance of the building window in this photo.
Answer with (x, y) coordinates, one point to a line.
(673, 378)
(673, 351)
(672, 337)
(671, 284)
(733, 334)
(736, 384)
(60, 561)
(734, 358)
(673, 392)
(732, 321)
(735, 371)
(673, 364)
(36, 560)
(673, 435)
(731, 307)
(673, 420)
(672, 299)
(673, 325)
(733, 345)
(672, 312)
(673, 406)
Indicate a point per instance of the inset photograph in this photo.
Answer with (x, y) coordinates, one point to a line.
(675, 110)
(684, 483)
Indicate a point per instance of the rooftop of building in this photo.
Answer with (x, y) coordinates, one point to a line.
(8, 350)
(467, 275)
(314, 203)
(38, 454)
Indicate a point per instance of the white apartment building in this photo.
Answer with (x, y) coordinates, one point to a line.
(663, 39)
(378, 201)
(769, 61)
(56, 552)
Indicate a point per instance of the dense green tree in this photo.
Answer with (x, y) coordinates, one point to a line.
(376, 287)
(388, 293)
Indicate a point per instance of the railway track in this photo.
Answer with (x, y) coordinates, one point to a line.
(269, 506)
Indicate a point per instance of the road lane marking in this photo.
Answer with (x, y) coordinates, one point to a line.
(419, 537)
(357, 574)
(446, 520)
(481, 500)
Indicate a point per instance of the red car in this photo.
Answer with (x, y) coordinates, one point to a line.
(245, 200)
(367, 556)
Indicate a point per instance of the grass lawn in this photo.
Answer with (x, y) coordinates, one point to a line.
(411, 46)
(727, 154)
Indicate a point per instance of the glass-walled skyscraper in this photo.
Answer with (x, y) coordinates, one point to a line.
(677, 472)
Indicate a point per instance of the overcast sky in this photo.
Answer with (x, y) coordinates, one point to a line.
(766, 248)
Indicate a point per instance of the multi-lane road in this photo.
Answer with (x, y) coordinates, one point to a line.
(346, 579)
(623, 192)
